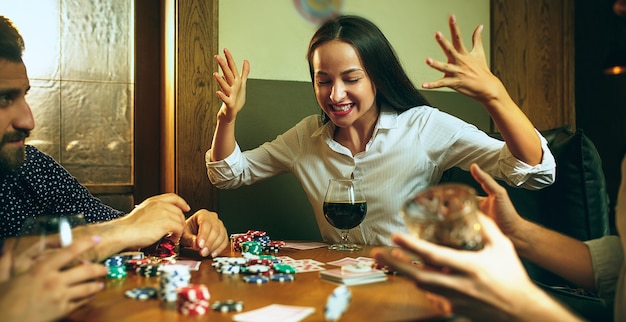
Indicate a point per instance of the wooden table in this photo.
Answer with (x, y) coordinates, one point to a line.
(396, 299)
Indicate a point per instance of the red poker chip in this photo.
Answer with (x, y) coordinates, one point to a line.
(192, 308)
(194, 293)
(278, 243)
(256, 233)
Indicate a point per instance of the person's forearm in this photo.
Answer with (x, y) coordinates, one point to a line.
(516, 129)
(560, 254)
(112, 236)
(223, 140)
(539, 306)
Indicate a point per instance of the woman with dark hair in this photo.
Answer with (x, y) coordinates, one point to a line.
(381, 129)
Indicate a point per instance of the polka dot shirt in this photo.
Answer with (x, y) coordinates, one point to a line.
(42, 186)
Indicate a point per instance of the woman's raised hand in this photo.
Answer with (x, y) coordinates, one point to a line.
(466, 71)
(232, 85)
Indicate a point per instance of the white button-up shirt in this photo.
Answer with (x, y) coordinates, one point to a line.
(407, 153)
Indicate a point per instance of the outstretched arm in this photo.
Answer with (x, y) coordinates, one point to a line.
(467, 72)
(490, 284)
(233, 96)
(560, 254)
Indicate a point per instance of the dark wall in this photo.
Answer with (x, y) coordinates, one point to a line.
(600, 98)
(279, 205)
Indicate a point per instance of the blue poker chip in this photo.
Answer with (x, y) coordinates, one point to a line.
(256, 279)
(282, 277)
(142, 293)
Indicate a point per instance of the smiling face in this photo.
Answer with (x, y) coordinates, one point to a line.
(343, 89)
(16, 118)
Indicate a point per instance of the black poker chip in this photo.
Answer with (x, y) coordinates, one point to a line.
(142, 293)
(227, 306)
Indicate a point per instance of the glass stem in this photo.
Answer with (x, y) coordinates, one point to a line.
(344, 236)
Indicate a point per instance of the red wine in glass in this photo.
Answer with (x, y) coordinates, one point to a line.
(344, 208)
(345, 215)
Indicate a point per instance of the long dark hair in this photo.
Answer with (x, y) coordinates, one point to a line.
(393, 86)
(11, 42)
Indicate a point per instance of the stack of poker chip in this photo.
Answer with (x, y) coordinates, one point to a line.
(133, 264)
(116, 267)
(261, 237)
(149, 270)
(172, 278)
(193, 299)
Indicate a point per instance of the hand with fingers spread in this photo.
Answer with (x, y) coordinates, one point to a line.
(206, 233)
(49, 290)
(233, 96)
(232, 85)
(485, 285)
(465, 71)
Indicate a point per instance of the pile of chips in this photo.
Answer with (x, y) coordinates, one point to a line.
(258, 269)
(193, 299)
(172, 278)
(256, 241)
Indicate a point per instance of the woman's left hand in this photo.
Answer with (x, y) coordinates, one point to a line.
(466, 71)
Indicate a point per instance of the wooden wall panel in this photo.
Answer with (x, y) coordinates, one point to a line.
(148, 82)
(196, 102)
(532, 53)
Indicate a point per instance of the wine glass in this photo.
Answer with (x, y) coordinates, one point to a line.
(445, 214)
(344, 208)
(40, 236)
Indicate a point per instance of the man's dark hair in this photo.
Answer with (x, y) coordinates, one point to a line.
(11, 42)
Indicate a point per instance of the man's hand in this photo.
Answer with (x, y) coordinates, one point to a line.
(206, 233)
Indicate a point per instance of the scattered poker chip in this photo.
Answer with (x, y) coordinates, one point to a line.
(358, 267)
(229, 269)
(284, 268)
(337, 303)
(227, 306)
(256, 279)
(282, 278)
(257, 268)
(142, 293)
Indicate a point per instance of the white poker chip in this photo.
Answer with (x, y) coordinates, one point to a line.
(337, 303)
(258, 268)
(229, 269)
(358, 267)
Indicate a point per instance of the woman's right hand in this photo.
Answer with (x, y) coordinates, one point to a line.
(232, 85)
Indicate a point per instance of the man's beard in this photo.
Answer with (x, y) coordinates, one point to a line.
(12, 158)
